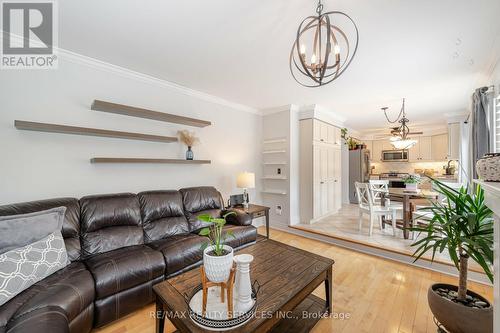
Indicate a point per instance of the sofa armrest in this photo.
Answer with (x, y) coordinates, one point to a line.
(240, 218)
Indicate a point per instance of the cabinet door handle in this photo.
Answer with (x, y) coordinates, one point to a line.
(321, 140)
(321, 182)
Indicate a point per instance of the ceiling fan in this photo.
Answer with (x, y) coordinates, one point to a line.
(400, 134)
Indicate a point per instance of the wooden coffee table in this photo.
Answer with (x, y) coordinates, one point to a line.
(287, 277)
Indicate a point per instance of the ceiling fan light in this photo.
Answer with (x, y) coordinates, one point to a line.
(404, 144)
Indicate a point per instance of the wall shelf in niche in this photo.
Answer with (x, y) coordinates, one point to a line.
(132, 111)
(276, 140)
(146, 160)
(278, 192)
(274, 163)
(274, 177)
(65, 129)
(273, 151)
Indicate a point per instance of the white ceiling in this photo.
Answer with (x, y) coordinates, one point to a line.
(238, 50)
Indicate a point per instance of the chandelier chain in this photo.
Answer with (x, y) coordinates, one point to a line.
(401, 113)
(319, 8)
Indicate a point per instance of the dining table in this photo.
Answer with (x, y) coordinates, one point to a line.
(406, 196)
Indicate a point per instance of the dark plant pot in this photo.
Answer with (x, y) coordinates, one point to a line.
(458, 318)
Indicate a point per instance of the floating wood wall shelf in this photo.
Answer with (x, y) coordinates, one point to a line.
(126, 110)
(146, 160)
(53, 128)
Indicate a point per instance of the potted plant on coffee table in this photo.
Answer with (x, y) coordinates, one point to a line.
(217, 257)
(462, 225)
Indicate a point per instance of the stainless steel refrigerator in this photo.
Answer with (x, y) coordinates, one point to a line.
(359, 170)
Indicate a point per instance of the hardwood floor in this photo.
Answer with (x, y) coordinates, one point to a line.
(370, 294)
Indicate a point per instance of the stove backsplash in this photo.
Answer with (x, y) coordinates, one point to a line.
(405, 167)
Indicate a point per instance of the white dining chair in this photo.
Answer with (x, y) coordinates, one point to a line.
(378, 187)
(368, 206)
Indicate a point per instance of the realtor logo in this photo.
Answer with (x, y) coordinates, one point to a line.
(29, 35)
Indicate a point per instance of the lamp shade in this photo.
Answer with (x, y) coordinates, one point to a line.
(245, 180)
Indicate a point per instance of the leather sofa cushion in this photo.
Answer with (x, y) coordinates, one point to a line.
(70, 289)
(242, 235)
(201, 200)
(109, 222)
(71, 224)
(180, 251)
(162, 214)
(50, 319)
(124, 268)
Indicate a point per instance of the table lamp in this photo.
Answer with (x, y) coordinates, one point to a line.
(245, 180)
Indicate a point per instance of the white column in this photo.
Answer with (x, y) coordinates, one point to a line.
(492, 199)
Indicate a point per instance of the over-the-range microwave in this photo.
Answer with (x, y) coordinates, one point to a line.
(395, 155)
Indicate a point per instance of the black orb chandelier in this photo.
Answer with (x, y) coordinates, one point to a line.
(321, 65)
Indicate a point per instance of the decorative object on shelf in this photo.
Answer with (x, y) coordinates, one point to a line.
(400, 139)
(331, 50)
(217, 257)
(463, 226)
(242, 285)
(411, 182)
(488, 167)
(245, 180)
(189, 139)
(226, 288)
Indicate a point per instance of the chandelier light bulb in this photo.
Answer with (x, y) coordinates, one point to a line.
(336, 49)
(302, 49)
(313, 58)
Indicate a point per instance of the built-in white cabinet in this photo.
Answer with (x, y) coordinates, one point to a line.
(439, 147)
(422, 151)
(326, 133)
(320, 170)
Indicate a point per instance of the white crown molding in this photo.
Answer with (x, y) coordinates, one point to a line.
(102, 65)
(81, 59)
(321, 113)
(277, 109)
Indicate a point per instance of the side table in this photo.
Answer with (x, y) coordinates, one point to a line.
(255, 211)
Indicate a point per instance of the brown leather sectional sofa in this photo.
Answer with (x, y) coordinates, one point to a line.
(119, 245)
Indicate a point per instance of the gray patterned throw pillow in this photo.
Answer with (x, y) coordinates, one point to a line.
(25, 266)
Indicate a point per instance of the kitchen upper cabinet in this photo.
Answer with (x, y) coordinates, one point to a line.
(454, 141)
(422, 151)
(425, 148)
(439, 147)
(377, 147)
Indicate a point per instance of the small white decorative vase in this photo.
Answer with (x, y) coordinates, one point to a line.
(218, 268)
(242, 284)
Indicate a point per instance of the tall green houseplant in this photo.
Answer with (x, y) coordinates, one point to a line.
(462, 225)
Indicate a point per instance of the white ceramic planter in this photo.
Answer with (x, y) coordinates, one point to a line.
(217, 268)
(411, 187)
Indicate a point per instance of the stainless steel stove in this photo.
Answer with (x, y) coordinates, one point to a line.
(395, 178)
